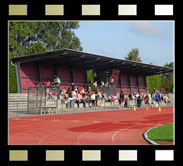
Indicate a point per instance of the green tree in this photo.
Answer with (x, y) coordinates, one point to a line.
(35, 37)
(133, 55)
(91, 74)
(167, 79)
(164, 81)
(35, 48)
(154, 81)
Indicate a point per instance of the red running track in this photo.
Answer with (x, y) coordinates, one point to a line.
(119, 127)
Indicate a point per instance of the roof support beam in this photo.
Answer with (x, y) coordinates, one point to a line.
(17, 70)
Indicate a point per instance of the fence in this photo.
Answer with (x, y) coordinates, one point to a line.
(64, 106)
(37, 99)
(17, 108)
(126, 88)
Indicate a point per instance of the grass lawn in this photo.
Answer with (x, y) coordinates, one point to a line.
(162, 133)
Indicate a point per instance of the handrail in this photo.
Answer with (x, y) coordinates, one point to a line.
(13, 101)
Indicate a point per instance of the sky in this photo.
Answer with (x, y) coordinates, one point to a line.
(154, 39)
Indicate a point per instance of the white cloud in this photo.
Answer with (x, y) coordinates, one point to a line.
(148, 29)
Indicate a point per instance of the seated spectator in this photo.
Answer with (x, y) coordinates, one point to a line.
(111, 81)
(93, 98)
(96, 97)
(134, 94)
(82, 91)
(70, 98)
(83, 100)
(95, 84)
(78, 98)
(112, 99)
(146, 99)
(104, 96)
(165, 98)
(47, 84)
(102, 84)
(88, 98)
(56, 80)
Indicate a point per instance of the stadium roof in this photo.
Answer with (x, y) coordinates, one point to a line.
(68, 57)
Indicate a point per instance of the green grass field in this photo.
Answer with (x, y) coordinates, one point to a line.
(162, 133)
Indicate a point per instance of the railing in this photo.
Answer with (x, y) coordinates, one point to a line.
(15, 107)
(70, 106)
(85, 85)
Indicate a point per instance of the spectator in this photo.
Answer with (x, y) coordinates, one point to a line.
(125, 101)
(70, 98)
(149, 99)
(161, 90)
(102, 84)
(153, 93)
(56, 80)
(130, 98)
(157, 97)
(93, 98)
(88, 98)
(47, 89)
(139, 100)
(100, 96)
(112, 81)
(112, 99)
(146, 99)
(73, 86)
(121, 99)
(95, 85)
(96, 97)
(78, 98)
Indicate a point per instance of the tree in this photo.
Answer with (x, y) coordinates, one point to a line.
(164, 81)
(35, 37)
(154, 81)
(167, 79)
(91, 74)
(133, 55)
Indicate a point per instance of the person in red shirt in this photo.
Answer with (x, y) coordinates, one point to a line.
(47, 84)
(162, 90)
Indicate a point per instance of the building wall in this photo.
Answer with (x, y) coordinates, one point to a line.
(142, 84)
(65, 76)
(46, 72)
(133, 82)
(29, 75)
(126, 84)
(79, 77)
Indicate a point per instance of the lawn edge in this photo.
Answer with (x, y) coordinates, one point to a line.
(148, 139)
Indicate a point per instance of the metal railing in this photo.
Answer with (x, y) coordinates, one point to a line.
(85, 85)
(70, 106)
(15, 107)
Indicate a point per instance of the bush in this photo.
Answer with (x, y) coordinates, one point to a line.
(12, 79)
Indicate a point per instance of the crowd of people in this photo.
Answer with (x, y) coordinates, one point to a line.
(93, 95)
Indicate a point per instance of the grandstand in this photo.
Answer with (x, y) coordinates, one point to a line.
(71, 66)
